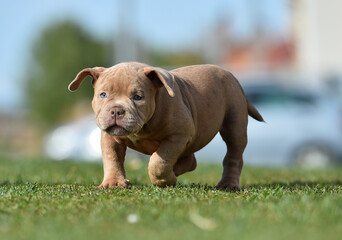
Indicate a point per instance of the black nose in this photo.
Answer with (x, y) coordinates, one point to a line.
(117, 112)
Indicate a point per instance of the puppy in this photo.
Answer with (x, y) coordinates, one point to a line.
(169, 115)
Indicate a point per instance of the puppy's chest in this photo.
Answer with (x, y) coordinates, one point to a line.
(142, 145)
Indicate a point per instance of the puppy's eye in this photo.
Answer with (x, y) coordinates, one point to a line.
(103, 95)
(137, 97)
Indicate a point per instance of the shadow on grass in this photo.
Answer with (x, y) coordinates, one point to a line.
(290, 186)
(295, 185)
(287, 186)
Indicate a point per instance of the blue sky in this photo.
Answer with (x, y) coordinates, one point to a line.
(158, 23)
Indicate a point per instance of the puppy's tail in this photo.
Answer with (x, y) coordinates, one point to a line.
(253, 112)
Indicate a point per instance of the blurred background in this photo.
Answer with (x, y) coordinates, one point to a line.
(285, 53)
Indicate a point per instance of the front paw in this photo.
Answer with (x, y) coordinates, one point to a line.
(110, 183)
(228, 185)
(163, 181)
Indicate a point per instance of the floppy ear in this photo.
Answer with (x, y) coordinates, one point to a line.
(93, 72)
(159, 79)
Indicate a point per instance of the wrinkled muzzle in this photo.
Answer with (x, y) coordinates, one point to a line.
(118, 120)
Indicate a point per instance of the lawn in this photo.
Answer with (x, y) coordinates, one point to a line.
(40, 199)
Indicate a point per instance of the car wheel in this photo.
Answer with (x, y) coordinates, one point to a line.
(313, 157)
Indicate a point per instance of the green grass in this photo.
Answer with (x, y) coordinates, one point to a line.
(40, 199)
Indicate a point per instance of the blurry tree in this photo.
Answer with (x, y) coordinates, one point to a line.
(62, 50)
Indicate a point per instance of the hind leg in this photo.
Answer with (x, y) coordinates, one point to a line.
(234, 133)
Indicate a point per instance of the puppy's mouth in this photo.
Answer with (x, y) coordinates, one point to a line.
(116, 130)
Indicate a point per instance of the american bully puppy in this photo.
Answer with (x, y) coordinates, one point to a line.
(169, 115)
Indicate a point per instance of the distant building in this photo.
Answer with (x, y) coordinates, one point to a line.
(317, 36)
(311, 49)
(260, 53)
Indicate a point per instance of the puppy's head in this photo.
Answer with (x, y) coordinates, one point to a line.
(124, 95)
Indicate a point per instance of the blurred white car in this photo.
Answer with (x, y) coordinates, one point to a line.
(78, 140)
(302, 127)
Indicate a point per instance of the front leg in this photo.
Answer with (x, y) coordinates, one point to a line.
(113, 154)
(160, 167)
(185, 164)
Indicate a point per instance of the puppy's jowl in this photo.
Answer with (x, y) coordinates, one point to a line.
(169, 115)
